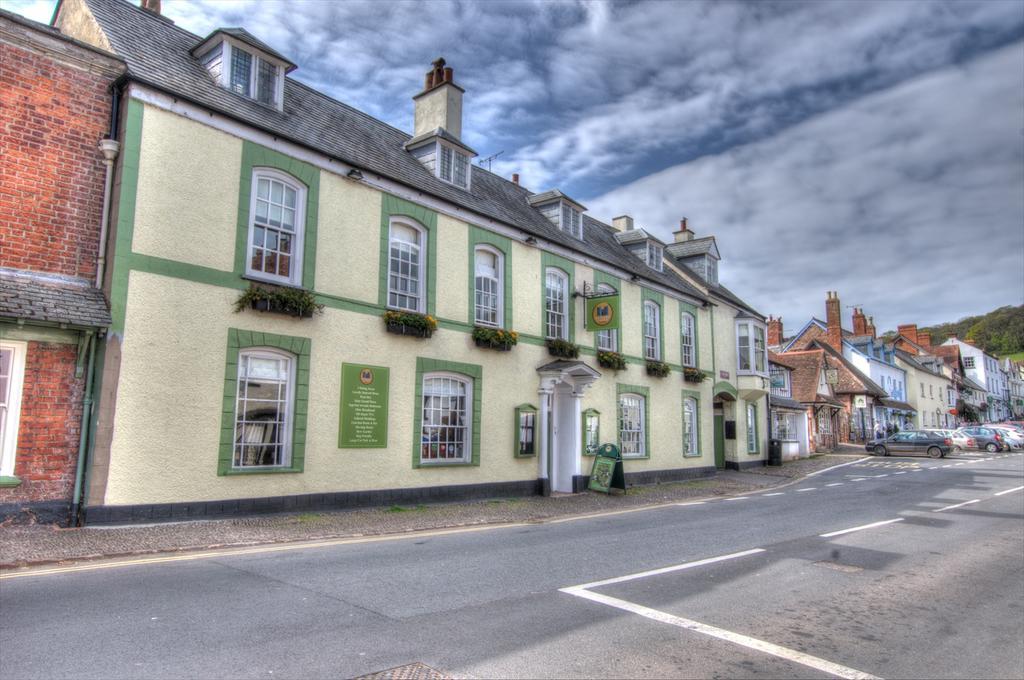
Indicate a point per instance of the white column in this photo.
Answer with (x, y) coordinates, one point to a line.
(544, 394)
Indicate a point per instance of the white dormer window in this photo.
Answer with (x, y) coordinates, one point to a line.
(454, 167)
(246, 73)
(712, 270)
(654, 255)
(572, 222)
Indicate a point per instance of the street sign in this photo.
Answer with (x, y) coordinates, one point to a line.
(603, 313)
(606, 473)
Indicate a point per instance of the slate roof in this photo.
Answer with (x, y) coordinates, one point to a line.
(697, 246)
(443, 134)
(913, 361)
(783, 402)
(248, 38)
(158, 54)
(636, 235)
(806, 376)
(44, 298)
(553, 195)
(731, 297)
(898, 405)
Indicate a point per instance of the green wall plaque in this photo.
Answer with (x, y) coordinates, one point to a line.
(364, 407)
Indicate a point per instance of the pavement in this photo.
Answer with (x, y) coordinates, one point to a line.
(22, 545)
(895, 567)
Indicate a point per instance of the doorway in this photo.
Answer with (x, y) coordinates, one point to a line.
(565, 438)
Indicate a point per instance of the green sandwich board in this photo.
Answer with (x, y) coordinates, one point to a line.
(607, 473)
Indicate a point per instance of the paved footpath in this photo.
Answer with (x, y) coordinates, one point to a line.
(881, 568)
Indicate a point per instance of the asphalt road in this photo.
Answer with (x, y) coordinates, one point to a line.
(937, 593)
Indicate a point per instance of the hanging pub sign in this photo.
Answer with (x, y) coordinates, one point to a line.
(603, 313)
(364, 407)
(606, 473)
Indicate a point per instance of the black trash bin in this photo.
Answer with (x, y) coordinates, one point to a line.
(774, 452)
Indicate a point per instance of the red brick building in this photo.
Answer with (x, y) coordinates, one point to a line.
(55, 94)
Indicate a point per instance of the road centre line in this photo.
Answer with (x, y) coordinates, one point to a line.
(683, 505)
(736, 498)
(810, 488)
(958, 505)
(1016, 488)
(835, 484)
(722, 634)
(902, 472)
(860, 528)
(852, 462)
(662, 570)
(777, 493)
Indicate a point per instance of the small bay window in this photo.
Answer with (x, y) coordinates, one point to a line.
(751, 351)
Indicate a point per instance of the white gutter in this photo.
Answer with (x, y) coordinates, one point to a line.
(110, 149)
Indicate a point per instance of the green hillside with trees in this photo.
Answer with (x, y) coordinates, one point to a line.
(1000, 332)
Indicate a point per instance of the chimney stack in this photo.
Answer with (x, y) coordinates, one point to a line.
(440, 103)
(909, 331)
(515, 178)
(834, 334)
(924, 339)
(622, 223)
(684, 233)
(151, 6)
(860, 322)
(870, 327)
(775, 333)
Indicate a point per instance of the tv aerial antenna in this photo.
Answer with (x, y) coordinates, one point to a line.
(489, 160)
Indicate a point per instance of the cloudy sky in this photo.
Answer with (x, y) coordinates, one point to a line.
(876, 149)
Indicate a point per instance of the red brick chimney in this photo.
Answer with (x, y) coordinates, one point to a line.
(924, 339)
(515, 178)
(860, 322)
(151, 6)
(684, 233)
(869, 329)
(834, 322)
(775, 331)
(909, 331)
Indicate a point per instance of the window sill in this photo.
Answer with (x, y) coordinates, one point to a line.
(421, 465)
(643, 457)
(693, 455)
(259, 471)
(274, 282)
(9, 482)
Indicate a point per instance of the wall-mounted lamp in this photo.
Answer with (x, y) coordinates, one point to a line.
(531, 240)
(634, 278)
(355, 174)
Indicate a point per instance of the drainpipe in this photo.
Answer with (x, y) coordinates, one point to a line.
(110, 149)
(90, 339)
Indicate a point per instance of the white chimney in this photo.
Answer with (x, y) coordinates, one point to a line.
(440, 103)
(622, 223)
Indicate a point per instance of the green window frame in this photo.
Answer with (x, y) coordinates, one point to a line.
(686, 308)
(524, 410)
(471, 372)
(569, 269)
(393, 206)
(695, 396)
(482, 237)
(646, 294)
(255, 157)
(621, 389)
(591, 416)
(239, 340)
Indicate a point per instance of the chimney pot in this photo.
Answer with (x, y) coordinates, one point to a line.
(515, 178)
(151, 6)
(684, 233)
(449, 73)
(438, 106)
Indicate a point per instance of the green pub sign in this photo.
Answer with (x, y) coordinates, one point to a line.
(364, 407)
(603, 313)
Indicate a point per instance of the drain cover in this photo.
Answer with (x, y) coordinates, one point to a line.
(410, 671)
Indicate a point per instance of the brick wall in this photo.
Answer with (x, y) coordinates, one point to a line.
(51, 418)
(51, 172)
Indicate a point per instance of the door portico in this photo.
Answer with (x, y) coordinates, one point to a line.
(562, 385)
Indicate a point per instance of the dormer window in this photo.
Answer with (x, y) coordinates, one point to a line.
(711, 270)
(454, 166)
(561, 211)
(655, 255)
(238, 62)
(572, 221)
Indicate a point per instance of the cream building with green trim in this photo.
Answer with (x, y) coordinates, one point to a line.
(232, 178)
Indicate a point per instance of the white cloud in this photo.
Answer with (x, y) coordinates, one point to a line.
(908, 202)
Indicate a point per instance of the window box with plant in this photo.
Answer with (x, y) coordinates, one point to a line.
(659, 369)
(563, 349)
(612, 360)
(693, 375)
(410, 323)
(495, 338)
(296, 302)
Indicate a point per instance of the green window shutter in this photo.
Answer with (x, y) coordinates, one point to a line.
(239, 340)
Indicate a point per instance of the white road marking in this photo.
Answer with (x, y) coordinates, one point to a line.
(880, 476)
(777, 493)
(737, 498)
(1016, 488)
(663, 570)
(835, 484)
(722, 634)
(859, 479)
(852, 462)
(812, 488)
(958, 505)
(958, 464)
(900, 473)
(945, 466)
(683, 505)
(860, 528)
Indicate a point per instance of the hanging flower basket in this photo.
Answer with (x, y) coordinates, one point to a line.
(659, 369)
(410, 323)
(495, 338)
(296, 302)
(612, 360)
(563, 349)
(693, 375)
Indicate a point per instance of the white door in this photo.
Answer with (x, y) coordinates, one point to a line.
(12, 371)
(565, 448)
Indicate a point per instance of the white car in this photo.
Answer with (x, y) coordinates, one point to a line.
(1012, 436)
(959, 440)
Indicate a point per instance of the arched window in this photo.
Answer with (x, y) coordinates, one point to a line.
(687, 340)
(447, 418)
(632, 425)
(276, 227)
(406, 257)
(652, 330)
(488, 287)
(690, 427)
(264, 409)
(556, 305)
(607, 341)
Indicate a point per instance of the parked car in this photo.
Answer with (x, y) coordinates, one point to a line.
(1014, 439)
(912, 441)
(962, 441)
(985, 438)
